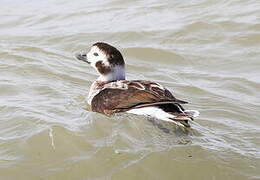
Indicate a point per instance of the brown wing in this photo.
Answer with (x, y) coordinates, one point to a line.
(137, 94)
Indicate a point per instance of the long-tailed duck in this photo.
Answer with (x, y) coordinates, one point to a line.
(111, 93)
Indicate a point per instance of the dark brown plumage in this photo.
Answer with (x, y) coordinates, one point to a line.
(137, 94)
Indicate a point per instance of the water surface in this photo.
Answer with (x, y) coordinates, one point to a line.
(206, 52)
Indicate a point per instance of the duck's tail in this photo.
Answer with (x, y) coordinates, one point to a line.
(185, 117)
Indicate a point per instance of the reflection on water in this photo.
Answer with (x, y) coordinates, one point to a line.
(207, 52)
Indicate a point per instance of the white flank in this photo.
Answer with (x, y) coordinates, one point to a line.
(154, 112)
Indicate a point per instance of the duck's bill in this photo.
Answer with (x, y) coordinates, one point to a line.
(82, 57)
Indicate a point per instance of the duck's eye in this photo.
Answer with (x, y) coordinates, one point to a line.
(95, 54)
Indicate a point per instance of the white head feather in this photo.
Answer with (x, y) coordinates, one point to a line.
(116, 72)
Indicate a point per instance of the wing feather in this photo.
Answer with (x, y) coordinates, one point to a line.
(137, 94)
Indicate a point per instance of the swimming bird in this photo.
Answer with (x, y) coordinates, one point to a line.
(112, 93)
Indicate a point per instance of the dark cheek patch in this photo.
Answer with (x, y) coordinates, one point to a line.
(102, 69)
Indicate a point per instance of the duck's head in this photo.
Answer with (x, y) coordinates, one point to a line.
(107, 61)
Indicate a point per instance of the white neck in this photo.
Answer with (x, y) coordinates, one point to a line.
(118, 73)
